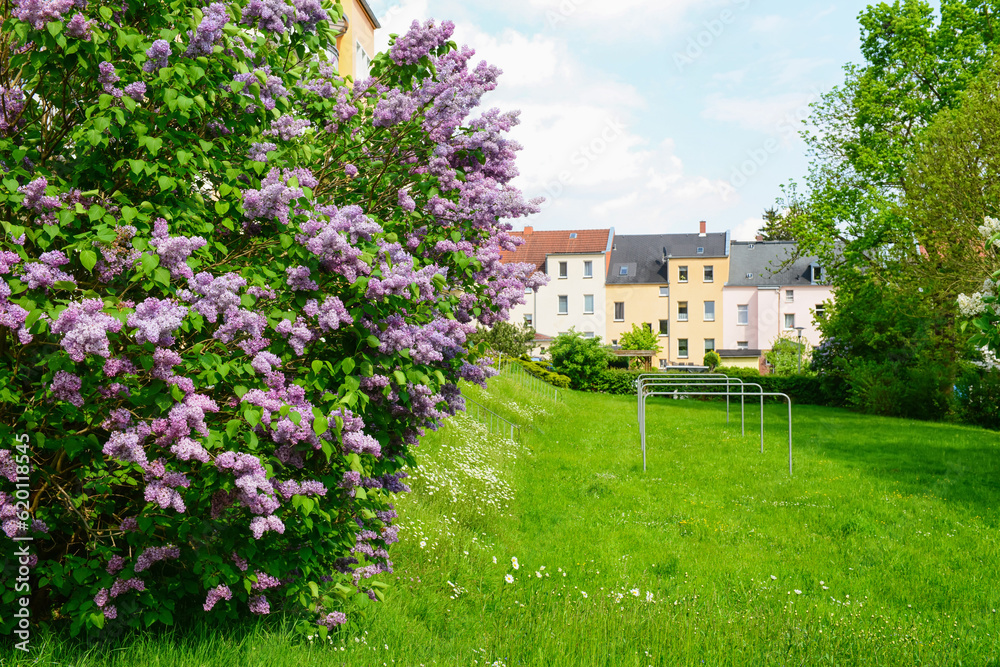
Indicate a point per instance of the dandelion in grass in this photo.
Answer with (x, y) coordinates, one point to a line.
(514, 563)
(509, 578)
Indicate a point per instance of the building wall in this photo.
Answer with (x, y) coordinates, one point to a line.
(543, 306)
(766, 314)
(695, 292)
(643, 303)
(359, 29)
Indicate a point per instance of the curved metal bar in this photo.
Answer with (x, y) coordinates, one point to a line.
(644, 376)
(656, 380)
(696, 393)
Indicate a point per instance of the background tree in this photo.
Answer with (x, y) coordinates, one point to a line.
(640, 337)
(581, 359)
(505, 338)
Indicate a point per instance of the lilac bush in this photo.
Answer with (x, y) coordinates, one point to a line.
(235, 288)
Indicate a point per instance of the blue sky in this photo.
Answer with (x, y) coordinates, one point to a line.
(649, 116)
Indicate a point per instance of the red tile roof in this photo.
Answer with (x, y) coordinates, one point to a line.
(537, 245)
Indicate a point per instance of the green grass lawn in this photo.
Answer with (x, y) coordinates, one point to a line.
(881, 549)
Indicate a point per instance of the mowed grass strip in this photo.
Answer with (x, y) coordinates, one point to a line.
(881, 549)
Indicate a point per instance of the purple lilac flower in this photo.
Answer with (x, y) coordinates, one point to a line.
(114, 367)
(406, 201)
(254, 491)
(259, 605)
(220, 592)
(126, 446)
(129, 524)
(350, 170)
(85, 328)
(209, 31)
(156, 320)
(264, 582)
(115, 565)
(258, 152)
(108, 78)
(419, 41)
(136, 90)
(39, 275)
(187, 449)
(395, 108)
(212, 296)
(40, 12)
(330, 315)
(8, 468)
(157, 56)
(298, 334)
(35, 197)
(174, 252)
(101, 598)
(333, 240)
(270, 15)
(154, 554)
(79, 27)
(122, 586)
(276, 194)
(308, 13)
(161, 487)
(298, 278)
(11, 106)
(66, 387)
(241, 563)
(263, 362)
(8, 260)
(262, 292)
(261, 525)
(111, 612)
(288, 127)
(272, 89)
(183, 418)
(333, 619)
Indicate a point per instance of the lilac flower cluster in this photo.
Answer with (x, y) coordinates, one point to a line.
(162, 485)
(330, 314)
(420, 41)
(45, 274)
(157, 56)
(258, 152)
(108, 78)
(220, 592)
(333, 619)
(397, 276)
(394, 108)
(254, 491)
(298, 334)
(66, 387)
(175, 250)
(117, 256)
(259, 605)
(84, 329)
(183, 418)
(354, 438)
(270, 91)
(136, 90)
(156, 320)
(79, 27)
(155, 554)
(39, 12)
(11, 108)
(276, 194)
(212, 296)
(332, 238)
(288, 127)
(13, 316)
(126, 446)
(260, 525)
(208, 32)
(278, 15)
(8, 260)
(35, 197)
(298, 279)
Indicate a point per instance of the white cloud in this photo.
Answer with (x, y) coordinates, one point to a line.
(768, 23)
(747, 230)
(776, 114)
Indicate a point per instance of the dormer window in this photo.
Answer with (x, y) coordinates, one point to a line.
(817, 273)
(572, 235)
(701, 251)
(623, 271)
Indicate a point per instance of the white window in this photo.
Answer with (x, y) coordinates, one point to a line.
(709, 345)
(789, 296)
(682, 311)
(588, 269)
(743, 314)
(588, 304)
(682, 348)
(619, 311)
(682, 274)
(742, 345)
(527, 319)
(664, 327)
(817, 274)
(563, 304)
(664, 291)
(563, 269)
(789, 320)
(664, 363)
(709, 311)
(588, 334)
(362, 63)
(709, 274)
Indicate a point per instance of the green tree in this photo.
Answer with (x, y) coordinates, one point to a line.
(581, 359)
(641, 337)
(785, 354)
(778, 225)
(505, 338)
(712, 360)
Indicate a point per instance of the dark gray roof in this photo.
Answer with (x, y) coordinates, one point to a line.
(643, 255)
(768, 264)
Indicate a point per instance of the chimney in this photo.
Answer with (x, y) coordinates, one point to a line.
(701, 228)
(760, 237)
(528, 230)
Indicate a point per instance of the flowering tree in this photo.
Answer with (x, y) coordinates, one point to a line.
(234, 288)
(981, 308)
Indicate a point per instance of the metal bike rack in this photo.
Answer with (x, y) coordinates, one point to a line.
(762, 394)
(651, 379)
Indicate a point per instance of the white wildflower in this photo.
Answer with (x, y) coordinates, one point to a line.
(514, 563)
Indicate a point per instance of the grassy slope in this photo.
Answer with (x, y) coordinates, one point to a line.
(897, 519)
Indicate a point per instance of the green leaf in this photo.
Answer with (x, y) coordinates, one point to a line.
(314, 588)
(89, 259)
(373, 341)
(317, 366)
(347, 365)
(184, 156)
(161, 276)
(400, 378)
(320, 425)
(150, 262)
(54, 27)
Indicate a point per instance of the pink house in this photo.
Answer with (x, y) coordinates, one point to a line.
(770, 292)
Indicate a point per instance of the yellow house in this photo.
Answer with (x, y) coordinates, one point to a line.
(356, 41)
(671, 284)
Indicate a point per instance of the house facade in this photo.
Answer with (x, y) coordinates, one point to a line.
(672, 285)
(574, 298)
(356, 39)
(770, 292)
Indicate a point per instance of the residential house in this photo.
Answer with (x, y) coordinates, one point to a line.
(576, 264)
(671, 284)
(356, 39)
(770, 291)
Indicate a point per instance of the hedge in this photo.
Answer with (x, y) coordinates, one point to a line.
(543, 373)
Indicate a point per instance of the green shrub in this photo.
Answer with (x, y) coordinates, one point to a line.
(977, 394)
(712, 360)
(543, 373)
(581, 359)
(895, 390)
